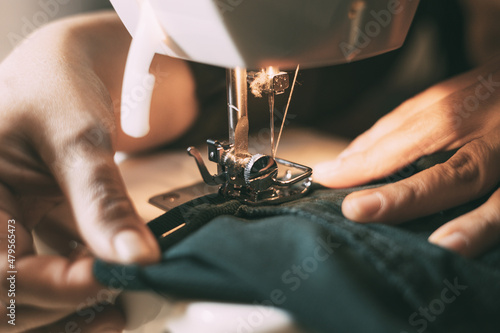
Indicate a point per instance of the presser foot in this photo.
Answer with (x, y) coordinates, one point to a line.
(169, 200)
(282, 190)
(251, 179)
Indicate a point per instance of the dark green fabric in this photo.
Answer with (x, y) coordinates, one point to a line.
(331, 274)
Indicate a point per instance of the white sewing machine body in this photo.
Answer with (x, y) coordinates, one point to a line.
(261, 33)
(255, 34)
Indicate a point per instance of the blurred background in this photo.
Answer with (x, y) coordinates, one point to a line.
(20, 18)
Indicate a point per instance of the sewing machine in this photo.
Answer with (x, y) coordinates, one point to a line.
(251, 178)
(258, 41)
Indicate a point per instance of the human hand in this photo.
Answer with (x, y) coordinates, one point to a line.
(464, 113)
(57, 175)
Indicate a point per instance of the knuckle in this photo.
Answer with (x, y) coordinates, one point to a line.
(88, 138)
(412, 190)
(464, 169)
(108, 194)
(94, 136)
(472, 167)
(89, 142)
(114, 208)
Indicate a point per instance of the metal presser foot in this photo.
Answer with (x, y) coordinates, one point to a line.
(254, 179)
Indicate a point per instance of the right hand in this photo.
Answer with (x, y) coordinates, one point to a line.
(57, 174)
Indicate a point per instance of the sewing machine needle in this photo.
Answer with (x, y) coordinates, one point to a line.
(271, 125)
(284, 116)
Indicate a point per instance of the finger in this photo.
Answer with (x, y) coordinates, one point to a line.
(23, 318)
(57, 232)
(470, 173)
(388, 155)
(78, 150)
(56, 282)
(104, 214)
(103, 319)
(387, 124)
(424, 132)
(473, 233)
(424, 100)
(96, 319)
(46, 281)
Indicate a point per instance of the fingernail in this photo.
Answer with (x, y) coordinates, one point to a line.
(130, 247)
(362, 207)
(455, 241)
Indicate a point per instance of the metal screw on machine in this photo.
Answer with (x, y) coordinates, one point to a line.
(254, 178)
(241, 175)
(250, 178)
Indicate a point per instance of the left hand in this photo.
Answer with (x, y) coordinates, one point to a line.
(463, 112)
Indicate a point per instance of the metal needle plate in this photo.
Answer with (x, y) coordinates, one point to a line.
(169, 200)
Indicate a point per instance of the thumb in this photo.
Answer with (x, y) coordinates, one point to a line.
(105, 216)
